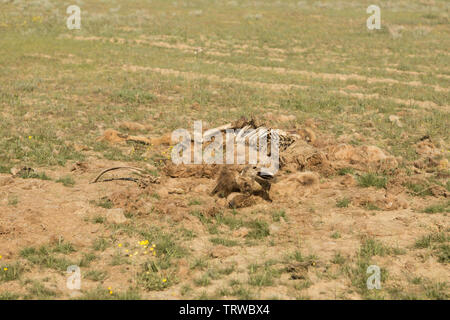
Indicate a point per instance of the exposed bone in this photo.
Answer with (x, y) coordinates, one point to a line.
(115, 168)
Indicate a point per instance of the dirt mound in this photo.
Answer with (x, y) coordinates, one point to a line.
(380, 201)
(131, 201)
(432, 158)
(306, 156)
(190, 170)
(295, 185)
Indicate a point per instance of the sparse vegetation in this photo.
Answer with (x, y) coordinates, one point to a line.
(258, 229)
(100, 244)
(96, 275)
(343, 203)
(368, 109)
(39, 291)
(45, 257)
(372, 180)
(10, 272)
(104, 202)
(438, 243)
(67, 181)
(224, 242)
(438, 208)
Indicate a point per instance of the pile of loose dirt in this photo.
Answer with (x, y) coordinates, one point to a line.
(306, 157)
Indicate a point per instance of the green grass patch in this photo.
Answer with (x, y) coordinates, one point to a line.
(10, 272)
(67, 181)
(438, 208)
(372, 180)
(343, 203)
(224, 242)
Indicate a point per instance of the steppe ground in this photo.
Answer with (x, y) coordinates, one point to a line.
(147, 67)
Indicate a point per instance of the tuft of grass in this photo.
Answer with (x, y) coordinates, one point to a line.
(86, 259)
(437, 291)
(344, 171)
(100, 293)
(230, 221)
(199, 263)
(224, 242)
(133, 96)
(419, 189)
(9, 296)
(370, 206)
(96, 275)
(304, 284)
(187, 234)
(5, 169)
(100, 244)
(10, 272)
(185, 290)
(34, 175)
(67, 181)
(438, 208)
(438, 243)
(443, 253)
(203, 281)
(258, 229)
(196, 213)
(343, 203)
(338, 259)
(118, 259)
(239, 291)
(372, 247)
(39, 291)
(277, 215)
(194, 202)
(336, 235)
(151, 278)
(13, 201)
(261, 279)
(104, 202)
(167, 247)
(263, 276)
(428, 240)
(44, 257)
(297, 256)
(372, 180)
(98, 219)
(64, 247)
